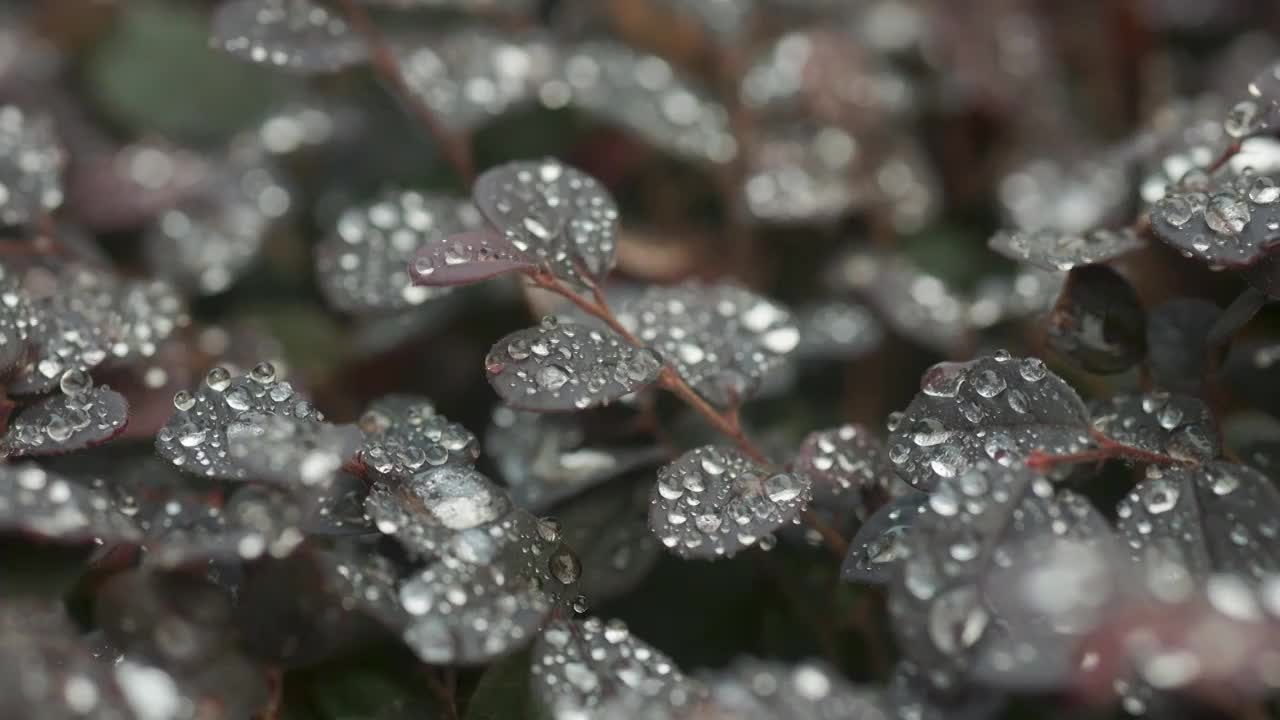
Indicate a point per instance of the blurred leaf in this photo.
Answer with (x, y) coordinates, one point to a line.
(146, 69)
(503, 691)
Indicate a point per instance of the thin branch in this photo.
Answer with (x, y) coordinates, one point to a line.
(726, 422)
(456, 150)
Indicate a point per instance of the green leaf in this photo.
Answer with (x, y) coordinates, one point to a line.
(156, 72)
(503, 691)
(351, 693)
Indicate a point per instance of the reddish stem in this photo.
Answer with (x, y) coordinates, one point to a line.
(456, 150)
(1107, 449)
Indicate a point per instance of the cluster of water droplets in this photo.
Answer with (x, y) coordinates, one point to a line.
(300, 35)
(1048, 201)
(578, 665)
(557, 214)
(206, 242)
(544, 459)
(1183, 523)
(292, 452)
(1259, 112)
(364, 265)
(713, 501)
(995, 409)
(51, 507)
(959, 551)
(195, 437)
(805, 174)
(567, 366)
(1227, 219)
(881, 542)
(722, 339)
(1159, 423)
(1061, 251)
(404, 435)
(472, 76)
(80, 416)
(31, 163)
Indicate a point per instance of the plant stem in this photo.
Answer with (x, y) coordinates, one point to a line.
(456, 150)
(726, 422)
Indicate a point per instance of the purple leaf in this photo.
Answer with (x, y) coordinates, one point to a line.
(468, 257)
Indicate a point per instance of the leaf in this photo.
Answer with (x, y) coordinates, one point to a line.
(1187, 522)
(577, 666)
(767, 689)
(209, 240)
(182, 623)
(714, 501)
(442, 70)
(556, 214)
(1177, 343)
(914, 304)
(645, 95)
(297, 454)
(721, 339)
(804, 174)
(850, 471)
(297, 35)
(49, 507)
(469, 257)
(1062, 251)
(993, 409)
(502, 691)
(82, 416)
(31, 165)
(1067, 197)
(1259, 111)
(17, 317)
(544, 458)
(67, 333)
(428, 512)
(608, 527)
(403, 434)
(1159, 424)
(1098, 321)
(505, 599)
(881, 542)
(939, 597)
(108, 192)
(566, 367)
(254, 522)
(144, 314)
(1223, 220)
(195, 438)
(364, 265)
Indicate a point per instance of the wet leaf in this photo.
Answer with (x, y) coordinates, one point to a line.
(47, 506)
(195, 438)
(1098, 321)
(465, 613)
(31, 164)
(429, 512)
(850, 471)
(880, 545)
(914, 304)
(556, 214)
(208, 241)
(254, 523)
(297, 35)
(769, 690)
(579, 665)
(114, 189)
(364, 265)
(1177, 343)
(645, 95)
(939, 597)
(17, 317)
(714, 501)
(1224, 220)
(993, 409)
(543, 458)
(565, 367)
(1259, 111)
(1187, 522)
(517, 71)
(722, 339)
(69, 329)
(1159, 424)
(81, 416)
(469, 257)
(803, 174)
(299, 454)
(1063, 251)
(403, 435)
(609, 529)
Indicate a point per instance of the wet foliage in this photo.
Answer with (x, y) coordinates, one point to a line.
(639, 360)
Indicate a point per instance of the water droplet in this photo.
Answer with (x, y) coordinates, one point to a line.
(1227, 214)
(988, 384)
